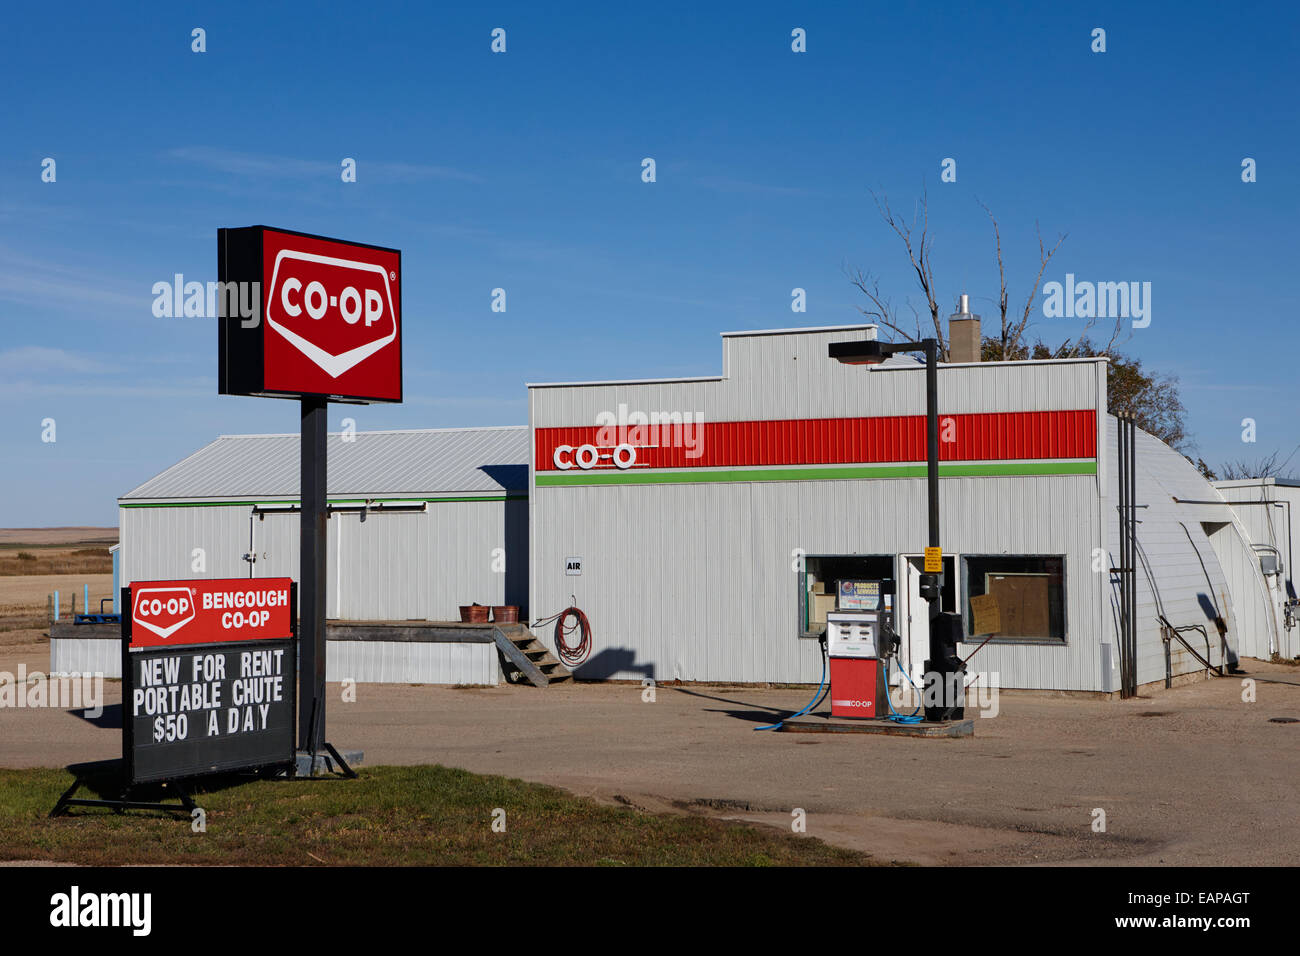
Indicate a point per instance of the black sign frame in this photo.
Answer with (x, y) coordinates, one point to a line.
(289, 645)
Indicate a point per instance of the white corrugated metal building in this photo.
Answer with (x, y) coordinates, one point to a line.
(1262, 510)
(455, 532)
(701, 549)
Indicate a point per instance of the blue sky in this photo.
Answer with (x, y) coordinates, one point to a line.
(523, 171)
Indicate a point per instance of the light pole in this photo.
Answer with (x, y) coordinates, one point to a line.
(945, 629)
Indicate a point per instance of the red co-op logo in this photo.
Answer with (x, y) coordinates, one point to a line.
(164, 611)
(336, 312)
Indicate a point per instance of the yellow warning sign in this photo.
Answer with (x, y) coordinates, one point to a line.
(934, 561)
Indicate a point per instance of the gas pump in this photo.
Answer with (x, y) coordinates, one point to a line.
(860, 639)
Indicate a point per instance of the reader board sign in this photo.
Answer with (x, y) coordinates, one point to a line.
(209, 672)
(330, 319)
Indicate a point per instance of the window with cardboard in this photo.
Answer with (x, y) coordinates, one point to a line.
(1029, 591)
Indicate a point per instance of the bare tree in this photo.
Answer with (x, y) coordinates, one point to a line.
(919, 245)
(1011, 332)
(1153, 397)
(1269, 466)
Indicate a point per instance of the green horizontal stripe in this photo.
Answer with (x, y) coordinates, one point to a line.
(333, 501)
(982, 470)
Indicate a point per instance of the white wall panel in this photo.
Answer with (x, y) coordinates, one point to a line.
(1264, 513)
(76, 655)
(791, 376)
(411, 662)
(394, 566)
(694, 581)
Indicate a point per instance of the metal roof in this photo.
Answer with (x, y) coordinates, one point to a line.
(417, 462)
(800, 331)
(1287, 482)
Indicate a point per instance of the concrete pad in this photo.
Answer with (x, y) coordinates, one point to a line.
(820, 724)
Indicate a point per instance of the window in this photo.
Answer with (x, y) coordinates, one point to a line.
(1030, 591)
(817, 584)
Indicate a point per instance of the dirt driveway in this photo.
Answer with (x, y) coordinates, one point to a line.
(1188, 776)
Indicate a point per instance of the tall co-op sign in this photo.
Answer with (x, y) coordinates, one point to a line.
(330, 330)
(331, 318)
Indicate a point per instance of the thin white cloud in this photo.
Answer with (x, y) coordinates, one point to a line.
(1244, 387)
(36, 359)
(726, 184)
(27, 289)
(27, 390)
(265, 166)
(464, 401)
(37, 282)
(414, 172)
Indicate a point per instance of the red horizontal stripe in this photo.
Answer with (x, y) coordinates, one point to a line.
(990, 436)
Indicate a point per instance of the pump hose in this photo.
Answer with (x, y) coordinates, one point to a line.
(915, 716)
(815, 701)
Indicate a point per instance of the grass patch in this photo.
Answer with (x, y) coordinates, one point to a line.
(424, 815)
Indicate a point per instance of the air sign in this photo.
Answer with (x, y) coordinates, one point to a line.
(208, 676)
(330, 319)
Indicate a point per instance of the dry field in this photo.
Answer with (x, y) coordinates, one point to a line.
(53, 537)
(47, 551)
(56, 561)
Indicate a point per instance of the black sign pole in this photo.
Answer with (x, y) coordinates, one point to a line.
(128, 686)
(312, 532)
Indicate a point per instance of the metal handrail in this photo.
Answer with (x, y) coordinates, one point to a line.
(1168, 631)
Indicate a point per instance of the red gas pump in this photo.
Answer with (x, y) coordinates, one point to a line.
(859, 642)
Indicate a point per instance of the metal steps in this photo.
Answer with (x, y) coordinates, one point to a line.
(528, 659)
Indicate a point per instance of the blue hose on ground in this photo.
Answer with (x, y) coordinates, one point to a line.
(813, 703)
(915, 716)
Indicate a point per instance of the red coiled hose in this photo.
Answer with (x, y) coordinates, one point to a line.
(572, 654)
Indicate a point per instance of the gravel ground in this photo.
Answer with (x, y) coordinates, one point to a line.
(1188, 776)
